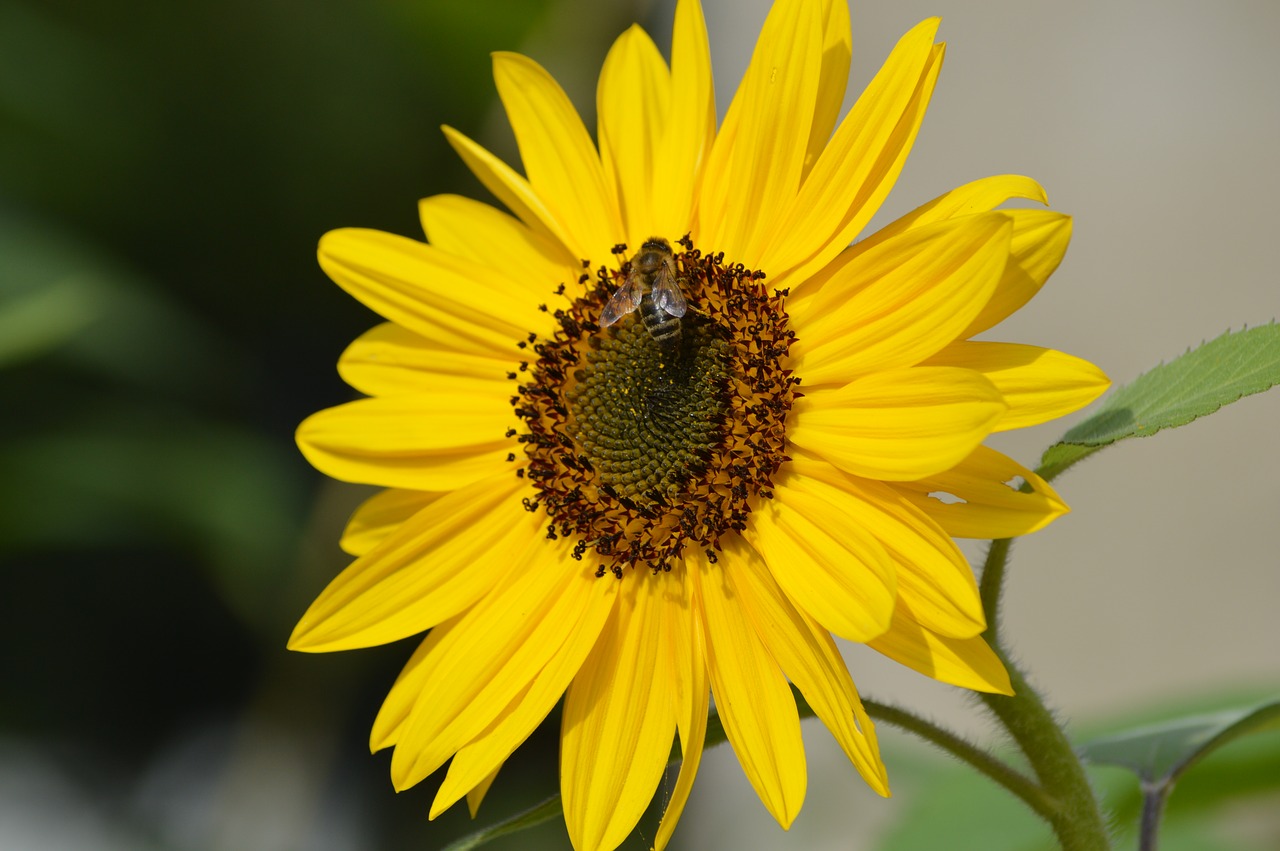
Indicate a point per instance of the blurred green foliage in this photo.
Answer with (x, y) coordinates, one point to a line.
(1227, 800)
(165, 172)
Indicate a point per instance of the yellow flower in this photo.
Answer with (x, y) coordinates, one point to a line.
(683, 503)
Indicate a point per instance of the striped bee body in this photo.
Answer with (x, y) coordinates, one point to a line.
(653, 289)
(662, 326)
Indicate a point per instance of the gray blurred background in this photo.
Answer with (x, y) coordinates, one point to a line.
(166, 171)
(1156, 125)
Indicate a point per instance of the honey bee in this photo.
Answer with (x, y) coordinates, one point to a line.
(653, 289)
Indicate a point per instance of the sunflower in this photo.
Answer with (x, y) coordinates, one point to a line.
(661, 432)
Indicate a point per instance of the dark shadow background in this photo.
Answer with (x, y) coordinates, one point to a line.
(165, 172)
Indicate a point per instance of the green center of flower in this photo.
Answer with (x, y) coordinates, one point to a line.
(661, 430)
(647, 414)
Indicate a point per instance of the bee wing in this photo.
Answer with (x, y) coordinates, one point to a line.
(666, 292)
(622, 302)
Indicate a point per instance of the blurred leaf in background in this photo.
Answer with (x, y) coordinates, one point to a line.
(165, 173)
(1228, 800)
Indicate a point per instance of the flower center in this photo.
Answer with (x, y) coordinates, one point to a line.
(656, 414)
(647, 414)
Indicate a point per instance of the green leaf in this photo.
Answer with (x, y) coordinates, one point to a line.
(63, 295)
(1220, 788)
(37, 322)
(941, 805)
(1161, 752)
(1200, 382)
(124, 473)
(547, 810)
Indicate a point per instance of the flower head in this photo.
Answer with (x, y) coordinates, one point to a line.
(660, 432)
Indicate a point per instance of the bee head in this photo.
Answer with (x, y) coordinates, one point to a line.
(653, 252)
(656, 243)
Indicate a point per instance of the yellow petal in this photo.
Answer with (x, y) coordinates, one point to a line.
(810, 660)
(690, 125)
(981, 497)
(978, 196)
(496, 651)
(476, 796)
(490, 237)
(964, 662)
(837, 46)
(632, 103)
(559, 158)
(407, 689)
(687, 658)
(1038, 384)
(425, 441)
(1039, 241)
(619, 722)
(388, 360)
(472, 762)
(751, 694)
(931, 573)
(380, 515)
(524, 713)
(755, 165)
(898, 303)
(474, 767)
(899, 424)
(432, 567)
(398, 375)
(437, 295)
(833, 569)
(858, 167)
(513, 191)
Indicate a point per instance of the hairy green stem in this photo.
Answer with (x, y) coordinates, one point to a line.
(1075, 817)
(1154, 796)
(991, 585)
(1002, 773)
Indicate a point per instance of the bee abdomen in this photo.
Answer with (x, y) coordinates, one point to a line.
(662, 326)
